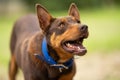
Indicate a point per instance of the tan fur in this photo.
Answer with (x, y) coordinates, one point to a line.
(12, 68)
(56, 42)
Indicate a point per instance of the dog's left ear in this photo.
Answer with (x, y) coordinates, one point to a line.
(73, 11)
(43, 16)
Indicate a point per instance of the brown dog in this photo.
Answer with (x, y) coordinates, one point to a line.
(46, 52)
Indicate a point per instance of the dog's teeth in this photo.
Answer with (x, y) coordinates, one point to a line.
(68, 44)
(71, 46)
(78, 48)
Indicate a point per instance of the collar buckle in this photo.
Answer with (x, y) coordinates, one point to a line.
(61, 66)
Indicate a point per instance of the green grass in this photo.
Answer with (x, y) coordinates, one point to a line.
(6, 23)
(104, 29)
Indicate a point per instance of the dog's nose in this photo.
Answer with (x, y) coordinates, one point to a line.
(83, 28)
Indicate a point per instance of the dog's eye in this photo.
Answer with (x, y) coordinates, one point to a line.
(61, 24)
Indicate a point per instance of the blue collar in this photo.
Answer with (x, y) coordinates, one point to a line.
(48, 59)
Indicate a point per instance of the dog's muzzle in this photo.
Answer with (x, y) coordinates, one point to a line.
(75, 46)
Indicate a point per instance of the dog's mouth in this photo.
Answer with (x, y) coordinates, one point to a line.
(75, 46)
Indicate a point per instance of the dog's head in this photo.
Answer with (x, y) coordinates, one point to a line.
(64, 34)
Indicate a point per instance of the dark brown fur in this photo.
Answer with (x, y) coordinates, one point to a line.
(26, 40)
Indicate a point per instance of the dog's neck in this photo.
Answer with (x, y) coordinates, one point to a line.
(52, 59)
(53, 53)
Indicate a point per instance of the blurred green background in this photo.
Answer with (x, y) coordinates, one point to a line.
(102, 17)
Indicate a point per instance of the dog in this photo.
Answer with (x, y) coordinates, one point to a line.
(43, 47)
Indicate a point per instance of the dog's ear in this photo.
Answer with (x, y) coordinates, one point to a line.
(73, 11)
(43, 16)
